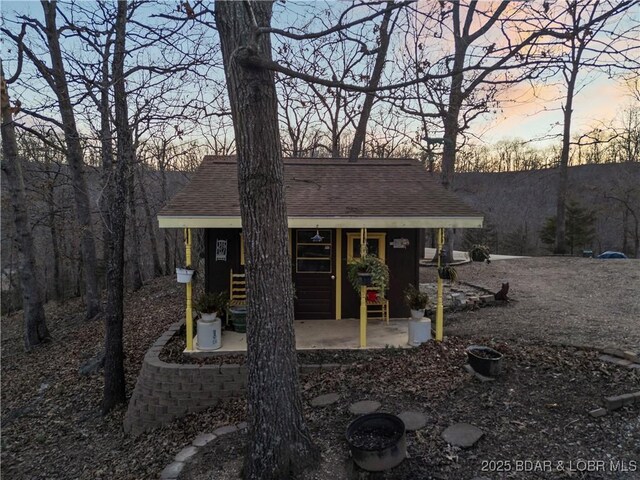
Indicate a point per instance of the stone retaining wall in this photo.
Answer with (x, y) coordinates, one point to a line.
(165, 391)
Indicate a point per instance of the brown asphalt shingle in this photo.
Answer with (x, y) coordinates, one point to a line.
(326, 187)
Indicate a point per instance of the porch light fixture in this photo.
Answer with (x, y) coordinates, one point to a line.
(317, 238)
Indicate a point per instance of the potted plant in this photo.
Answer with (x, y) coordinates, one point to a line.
(368, 270)
(448, 272)
(479, 253)
(184, 274)
(416, 300)
(209, 327)
(210, 304)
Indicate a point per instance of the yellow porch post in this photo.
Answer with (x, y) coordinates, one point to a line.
(338, 278)
(439, 306)
(363, 317)
(363, 293)
(189, 316)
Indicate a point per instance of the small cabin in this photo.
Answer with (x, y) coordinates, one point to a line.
(332, 204)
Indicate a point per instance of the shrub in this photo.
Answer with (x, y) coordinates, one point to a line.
(415, 299)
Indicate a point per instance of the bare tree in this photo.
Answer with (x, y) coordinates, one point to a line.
(35, 331)
(55, 76)
(586, 43)
(114, 382)
(376, 75)
(280, 441)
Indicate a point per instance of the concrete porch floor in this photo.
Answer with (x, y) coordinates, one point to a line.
(328, 335)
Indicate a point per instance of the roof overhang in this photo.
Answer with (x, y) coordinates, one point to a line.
(327, 222)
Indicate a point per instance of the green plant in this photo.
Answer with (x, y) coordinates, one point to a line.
(212, 302)
(375, 267)
(579, 227)
(415, 299)
(448, 272)
(479, 253)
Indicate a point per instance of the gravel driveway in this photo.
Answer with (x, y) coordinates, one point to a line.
(566, 300)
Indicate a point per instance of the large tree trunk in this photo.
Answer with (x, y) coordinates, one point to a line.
(335, 127)
(134, 259)
(114, 382)
(55, 233)
(76, 163)
(157, 268)
(451, 130)
(55, 246)
(35, 331)
(563, 167)
(163, 190)
(279, 439)
(361, 129)
(106, 144)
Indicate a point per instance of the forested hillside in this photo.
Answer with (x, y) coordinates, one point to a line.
(516, 205)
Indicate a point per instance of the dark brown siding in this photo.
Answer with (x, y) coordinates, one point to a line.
(403, 267)
(217, 272)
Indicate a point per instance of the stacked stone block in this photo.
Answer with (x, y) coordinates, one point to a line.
(165, 391)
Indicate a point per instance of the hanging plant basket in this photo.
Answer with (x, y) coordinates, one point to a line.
(448, 273)
(184, 275)
(365, 278)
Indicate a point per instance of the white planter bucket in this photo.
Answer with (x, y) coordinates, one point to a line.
(419, 331)
(417, 314)
(209, 334)
(184, 275)
(208, 317)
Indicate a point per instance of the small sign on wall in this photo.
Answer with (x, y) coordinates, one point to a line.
(400, 242)
(221, 250)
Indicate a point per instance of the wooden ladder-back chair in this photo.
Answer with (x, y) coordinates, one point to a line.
(377, 306)
(237, 289)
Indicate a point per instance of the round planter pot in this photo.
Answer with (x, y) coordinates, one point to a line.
(485, 360)
(239, 319)
(377, 441)
(417, 314)
(365, 279)
(184, 275)
(209, 334)
(208, 317)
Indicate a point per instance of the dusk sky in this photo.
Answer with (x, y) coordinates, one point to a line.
(598, 103)
(522, 115)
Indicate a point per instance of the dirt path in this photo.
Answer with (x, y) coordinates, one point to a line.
(574, 301)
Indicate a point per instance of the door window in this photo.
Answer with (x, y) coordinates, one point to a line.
(313, 251)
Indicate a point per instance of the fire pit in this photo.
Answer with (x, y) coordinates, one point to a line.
(485, 360)
(377, 441)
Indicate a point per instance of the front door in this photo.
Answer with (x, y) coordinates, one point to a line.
(314, 274)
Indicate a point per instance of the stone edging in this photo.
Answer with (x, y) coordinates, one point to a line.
(173, 470)
(166, 391)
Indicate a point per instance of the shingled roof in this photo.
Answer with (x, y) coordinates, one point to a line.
(326, 192)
